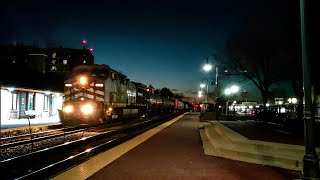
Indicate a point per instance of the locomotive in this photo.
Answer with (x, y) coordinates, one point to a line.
(96, 94)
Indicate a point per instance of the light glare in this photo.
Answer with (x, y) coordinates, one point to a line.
(207, 67)
(83, 81)
(87, 109)
(227, 91)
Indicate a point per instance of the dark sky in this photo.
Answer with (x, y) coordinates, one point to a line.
(163, 43)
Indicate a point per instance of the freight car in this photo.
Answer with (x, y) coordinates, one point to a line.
(99, 94)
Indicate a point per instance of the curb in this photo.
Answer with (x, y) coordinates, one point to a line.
(219, 140)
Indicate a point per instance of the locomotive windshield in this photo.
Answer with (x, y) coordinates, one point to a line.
(99, 71)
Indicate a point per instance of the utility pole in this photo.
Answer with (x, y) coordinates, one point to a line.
(310, 159)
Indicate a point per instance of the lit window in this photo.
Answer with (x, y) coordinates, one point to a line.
(31, 101)
(14, 101)
(65, 61)
(46, 102)
(84, 61)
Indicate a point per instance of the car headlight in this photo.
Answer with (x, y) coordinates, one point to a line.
(68, 109)
(87, 109)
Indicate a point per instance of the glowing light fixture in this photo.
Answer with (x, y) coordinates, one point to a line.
(234, 89)
(68, 109)
(294, 100)
(99, 85)
(227, 91)
(87, 109)
(207, 67)
(83, 80)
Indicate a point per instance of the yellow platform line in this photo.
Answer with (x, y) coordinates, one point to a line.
(88, 168)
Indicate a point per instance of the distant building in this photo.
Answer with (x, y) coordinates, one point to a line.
(40, 68)
(44, 60)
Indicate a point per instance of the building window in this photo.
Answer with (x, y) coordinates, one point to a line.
(65, 62)
(14, 101)
(53, 68)
(46, 102)
(122, 80)
(84, 61)
(113, 76)
(31, 101)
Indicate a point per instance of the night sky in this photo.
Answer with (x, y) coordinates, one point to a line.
(163, 43)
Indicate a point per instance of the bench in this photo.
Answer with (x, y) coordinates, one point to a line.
(32, 114)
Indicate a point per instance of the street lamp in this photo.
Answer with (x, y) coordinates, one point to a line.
(202, 85)
(311, 168)
(233, 89)
(207, 67)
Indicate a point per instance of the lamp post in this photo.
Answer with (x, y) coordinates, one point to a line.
(233, 89)
(208, 67)
(0, 106)
(202, 85)
(310, 160)
(200, 95)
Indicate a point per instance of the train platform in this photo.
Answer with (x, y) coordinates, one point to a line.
(184, 148)
(16, 126)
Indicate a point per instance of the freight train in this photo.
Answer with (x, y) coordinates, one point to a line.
(96, 94)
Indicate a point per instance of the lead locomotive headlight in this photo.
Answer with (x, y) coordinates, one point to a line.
(87, 109)
(68, 109)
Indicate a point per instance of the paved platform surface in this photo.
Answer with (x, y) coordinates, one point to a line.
(171, 151)
(270, 132)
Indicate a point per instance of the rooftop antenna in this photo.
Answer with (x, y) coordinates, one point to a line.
(84, 42)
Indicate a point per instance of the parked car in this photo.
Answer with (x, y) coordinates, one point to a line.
(279, 114)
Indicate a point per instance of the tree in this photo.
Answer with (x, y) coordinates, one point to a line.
(165, 92)
(263, 51)
(157, 91)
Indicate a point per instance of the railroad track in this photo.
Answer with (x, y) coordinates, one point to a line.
(47, 162)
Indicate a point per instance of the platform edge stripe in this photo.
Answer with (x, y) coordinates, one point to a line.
(93, 165)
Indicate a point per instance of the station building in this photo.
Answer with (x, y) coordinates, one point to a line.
(21, 103)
